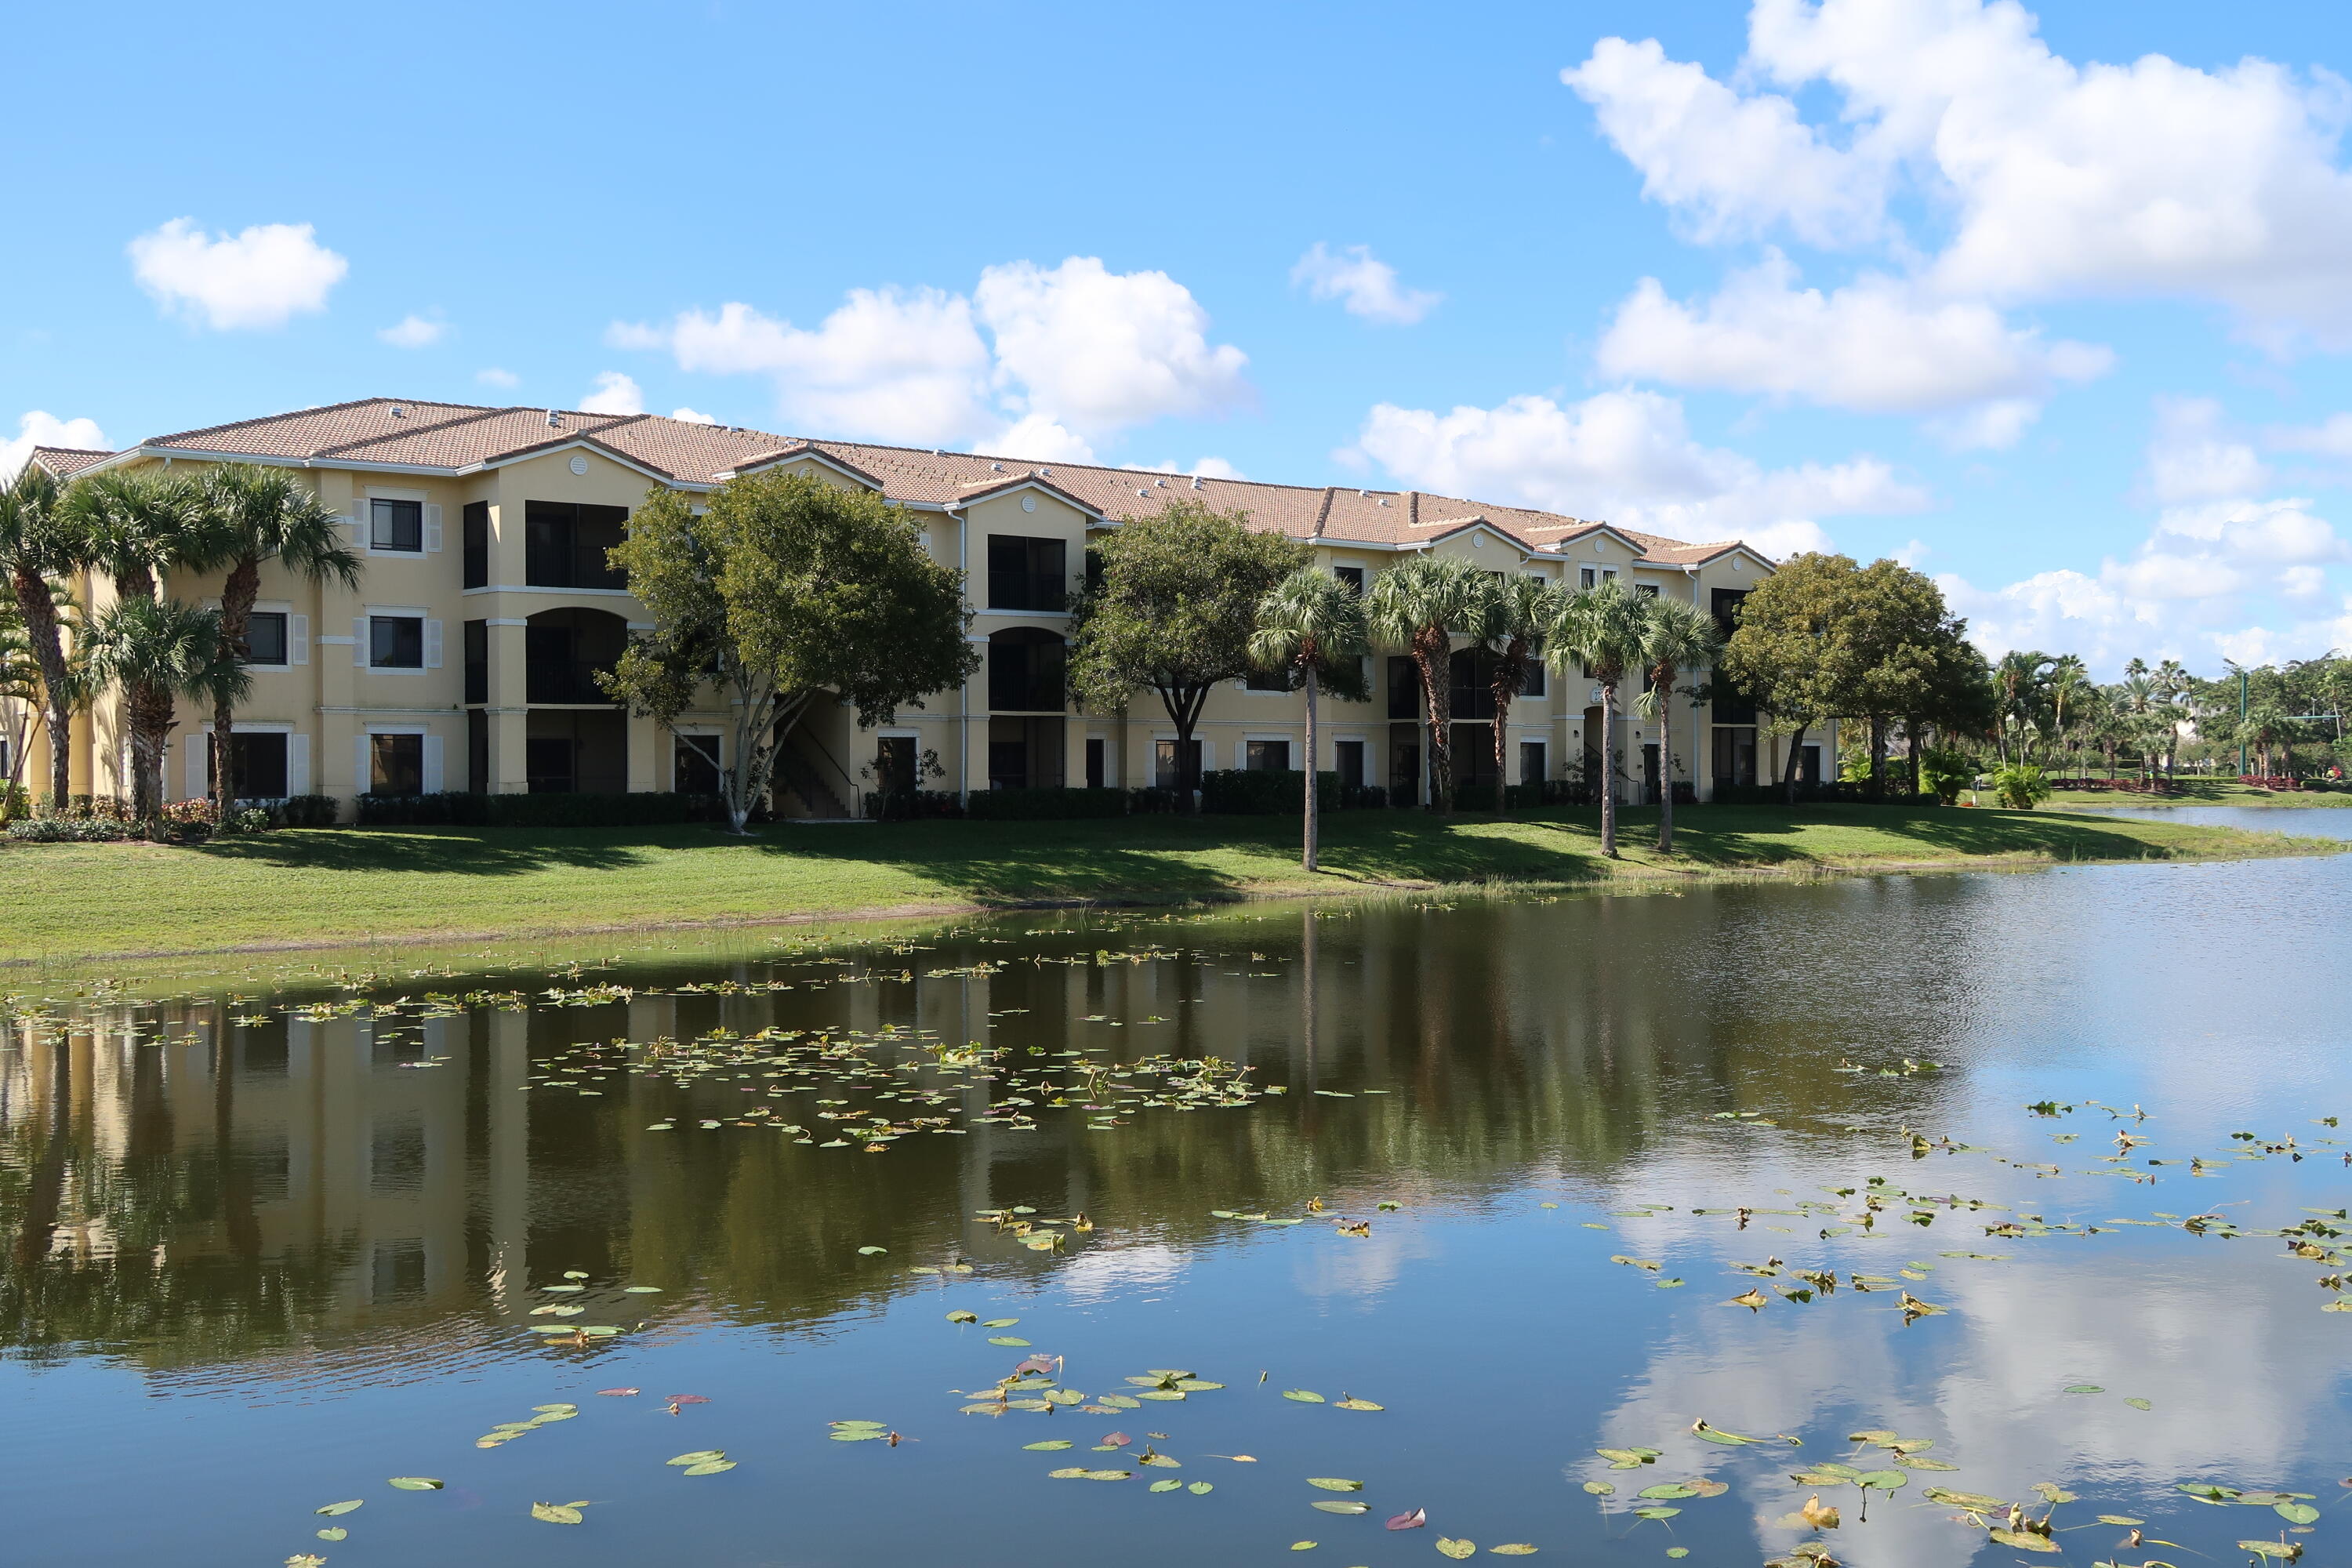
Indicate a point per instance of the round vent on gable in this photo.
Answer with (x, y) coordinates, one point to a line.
(1028, 503)
(579, 464)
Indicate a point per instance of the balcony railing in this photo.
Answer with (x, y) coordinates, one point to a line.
(571, 680)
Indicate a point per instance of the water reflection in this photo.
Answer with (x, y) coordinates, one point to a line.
(259, 1195)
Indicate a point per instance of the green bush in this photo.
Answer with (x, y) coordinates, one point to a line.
(457, 808)
(309, 811)
(1043, 804)
(1264, 792)
(1945, 772)
(2020, 788)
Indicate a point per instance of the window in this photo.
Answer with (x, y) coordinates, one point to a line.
(550, 763)
(1585, 578)
(1025, 754)
(1266, 680)
(477, 752)
(1353, 576)
(1265, 756)
(1404, 688)
(1026, 574)
(1094, 571)
(563, 545)
(257, 766)
(477, 544)
(477, 661)
(265, 637)
(1809, 765)
(396, 642)
(1164, 773)
(396, 525)
(1646, 590)
(1349, 756)
(1098, 762)
(1593, 576)
(1735, 755)
(1531, 762)
(894, 764)
(694, 764)
(396, 764)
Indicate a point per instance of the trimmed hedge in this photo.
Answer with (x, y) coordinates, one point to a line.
(1279, 791)
(1043, 804)
(912, 805)
(1839, 794)
(456, 808)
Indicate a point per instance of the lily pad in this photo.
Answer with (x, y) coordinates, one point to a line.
(337, 1509)
(2295, 1513)
(1052, 1444)
(1202, 1489)
(1347, 1508)
(1667, 1492)
(334, 1532)
(1304, 1395)
(555, 1512)
(1600, 1488)
(1512, 1549)
(699, 1456)
(1352, 1403)
(1014, 1340)
(2024, 1540)
(1167, 1486)
(1335, 1484)
(417, 1483)
(1453, 1547)
(708, 1468)
(1882, 1481)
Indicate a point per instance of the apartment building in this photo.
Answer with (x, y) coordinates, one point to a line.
(466, 658)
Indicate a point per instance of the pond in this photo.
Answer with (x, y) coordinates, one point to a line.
(2303, 822)
(1619, 1229)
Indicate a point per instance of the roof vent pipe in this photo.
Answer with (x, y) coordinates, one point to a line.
(555, 420)
(398, 413)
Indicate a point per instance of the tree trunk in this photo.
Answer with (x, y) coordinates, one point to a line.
(1789, 769)
(1430, 651)
(1184, 712)
(148, 709)
(1306, 857)
(1664, 681)
(238, 590)
(1912, 725)
(1877, 758)
(40, 612)
(1505, 690)
(1608, 769)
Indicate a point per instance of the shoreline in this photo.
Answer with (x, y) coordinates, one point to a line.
(1242, 860)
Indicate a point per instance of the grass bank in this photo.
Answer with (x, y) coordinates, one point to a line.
(341, 886)
(2204, 792)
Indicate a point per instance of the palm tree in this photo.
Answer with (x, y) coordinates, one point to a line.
(1676, 635)
(1602, 629)
(1418, 606)
(263, 514)
(36, 548)
(1512, 614)
(157, 652)
(1313, 624)
(137, 525)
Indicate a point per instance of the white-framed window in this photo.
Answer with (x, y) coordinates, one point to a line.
(397, 759)
(1593, 576)
(695, 758)
(267, 761)
(397, 523)
(1272, 682)
(1534, 757)
(277, 637)
(397, 638)
(1164, 773)
(1267, 754)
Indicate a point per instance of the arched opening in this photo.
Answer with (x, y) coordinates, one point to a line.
(576, 739)
(1027, 707)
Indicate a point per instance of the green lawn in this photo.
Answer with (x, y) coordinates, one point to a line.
(2205, 792)
(343, 885)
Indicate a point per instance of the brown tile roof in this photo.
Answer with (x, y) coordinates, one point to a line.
(450, 435)
(66, 461)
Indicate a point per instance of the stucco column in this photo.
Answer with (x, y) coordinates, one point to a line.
(510, 691)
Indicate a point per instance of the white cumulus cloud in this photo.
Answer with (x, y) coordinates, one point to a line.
(614, 393)
(491, 375)
(2046, 178)
(1363, 284)
(2193, 459)
(1628, 457)
(692, 416)
(1875, 346)
(41, 428)
(261, 276)
(1037, 362)
(413, 331)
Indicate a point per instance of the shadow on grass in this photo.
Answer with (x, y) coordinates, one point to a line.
(491, 852)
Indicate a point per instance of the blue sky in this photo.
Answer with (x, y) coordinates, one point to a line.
(2054, 307)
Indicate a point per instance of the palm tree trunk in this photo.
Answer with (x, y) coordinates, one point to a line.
(1608, 769)
(148, 709)
(237, 594)
(1663, 679)
(39, 612)
(1307, 855)
(1437, 686)
(1789, 769)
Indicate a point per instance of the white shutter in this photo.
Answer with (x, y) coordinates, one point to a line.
(360, 643)
(298, 641)
(359, 764)
(432, 527)
(359, 522)
(432, 765)
(199, 743)
(431, 645)
(298, 765)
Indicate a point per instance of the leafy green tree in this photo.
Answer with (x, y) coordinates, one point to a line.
(263, 514)
(1676, 636)
(1780, 652)
(2020, 786)
(2021, 699)
(1174, 611)
(38, 550)
(1603, 630)
(1891, 640)
(1511, 615)
(785, 589)
(138, 525)
(158, 651)
(1418, 605)
(1312, 624)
